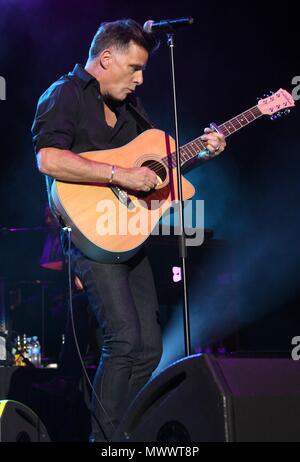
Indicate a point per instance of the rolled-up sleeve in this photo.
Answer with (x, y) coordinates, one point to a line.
(56, 117)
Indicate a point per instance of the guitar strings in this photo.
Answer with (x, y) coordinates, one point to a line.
(156, 167)
(234, 122)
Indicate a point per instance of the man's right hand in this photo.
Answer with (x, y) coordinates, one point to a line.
(64, 165)
(136, 179)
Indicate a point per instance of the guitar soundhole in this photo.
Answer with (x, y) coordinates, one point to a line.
(158, 168)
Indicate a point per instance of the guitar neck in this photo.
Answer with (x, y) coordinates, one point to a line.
(193, 148)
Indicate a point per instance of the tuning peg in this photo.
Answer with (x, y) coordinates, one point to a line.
(274, 117)
(266, 95)
(286, 111)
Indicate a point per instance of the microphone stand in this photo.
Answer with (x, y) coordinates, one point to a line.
(182, 238)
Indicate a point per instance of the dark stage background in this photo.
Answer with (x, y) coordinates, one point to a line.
(234, 53)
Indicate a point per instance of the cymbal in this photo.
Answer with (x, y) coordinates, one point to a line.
(53, 265)
(37, 282)
(4, 230)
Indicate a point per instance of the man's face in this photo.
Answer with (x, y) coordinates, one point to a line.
(125, 71)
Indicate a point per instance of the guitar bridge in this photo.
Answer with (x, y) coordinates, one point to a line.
(123, 197)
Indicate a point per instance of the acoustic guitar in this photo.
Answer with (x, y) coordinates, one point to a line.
(110, 224)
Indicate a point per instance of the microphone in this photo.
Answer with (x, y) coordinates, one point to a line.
(167, 25)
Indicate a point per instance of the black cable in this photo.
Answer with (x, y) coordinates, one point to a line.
(69, 230)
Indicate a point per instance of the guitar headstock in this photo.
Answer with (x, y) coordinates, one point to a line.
(281, 100)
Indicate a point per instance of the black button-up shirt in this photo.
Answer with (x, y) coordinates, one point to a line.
(70, 115)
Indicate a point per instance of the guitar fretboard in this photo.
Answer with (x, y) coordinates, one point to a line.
(193, 148)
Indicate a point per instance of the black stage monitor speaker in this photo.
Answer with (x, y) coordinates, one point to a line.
(19, 424)
(204, 398)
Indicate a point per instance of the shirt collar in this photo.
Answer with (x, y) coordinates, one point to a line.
(85, 78)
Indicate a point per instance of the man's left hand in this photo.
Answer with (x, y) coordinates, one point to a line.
(214, 142)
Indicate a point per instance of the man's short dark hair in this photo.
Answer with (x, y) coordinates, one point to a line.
(120, 34)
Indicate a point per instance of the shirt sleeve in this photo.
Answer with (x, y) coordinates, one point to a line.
(56, 117)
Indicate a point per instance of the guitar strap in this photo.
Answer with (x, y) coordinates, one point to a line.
(140, 117)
